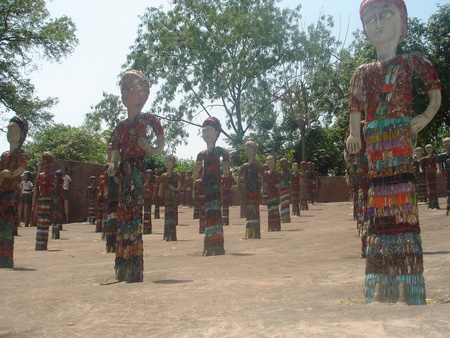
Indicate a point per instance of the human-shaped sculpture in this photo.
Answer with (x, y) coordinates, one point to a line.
(210, 158)
(45, 185)
(91, 193)
(129, 144)
(444, 166)
(169, 186)
(58, 204)
(272, 182)
(421, 182)
(382, 91)
(148, 197)
(227, 181)
(428, 164)
(13, 163)
(285, 212)
(295, 190)
(253, 175)
(303, 186)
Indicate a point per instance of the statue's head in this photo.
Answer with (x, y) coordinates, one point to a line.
(23, 128)
(382, 6)
(211, 129)
(133, 80)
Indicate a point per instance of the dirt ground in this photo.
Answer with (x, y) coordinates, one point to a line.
(305, 281)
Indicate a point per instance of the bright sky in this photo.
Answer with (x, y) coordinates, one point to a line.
(106, 30)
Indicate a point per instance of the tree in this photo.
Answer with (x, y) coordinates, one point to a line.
(27, 33)
(66, 143)
(214, 57)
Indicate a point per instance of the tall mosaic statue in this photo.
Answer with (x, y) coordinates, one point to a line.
(382, 92)
(129, 145)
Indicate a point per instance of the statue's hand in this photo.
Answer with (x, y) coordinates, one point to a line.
(419, 122)
(144, 144)
(353, 144)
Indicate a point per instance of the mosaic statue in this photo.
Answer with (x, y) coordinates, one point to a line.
(252, 173)
(129, 144)
(382, 92)
(13, 163)
(214, 240)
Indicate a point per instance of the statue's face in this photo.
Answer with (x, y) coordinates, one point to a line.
(250, 152)
(283, 165)
(13, 135)
(271, 163)
(382, 23)
(418, 152)
(209, 134)
(169, 163)
(447, 144)
(130, 97)
(429, 149)
(295, 167)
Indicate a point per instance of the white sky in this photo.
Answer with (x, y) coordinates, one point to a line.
(106, 30)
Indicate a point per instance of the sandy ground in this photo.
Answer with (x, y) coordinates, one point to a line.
(305, 281)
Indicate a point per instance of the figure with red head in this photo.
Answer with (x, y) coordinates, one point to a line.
(210, 158)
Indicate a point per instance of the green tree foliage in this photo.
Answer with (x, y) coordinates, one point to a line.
(66, 143)
(27, 33)
(214, 56)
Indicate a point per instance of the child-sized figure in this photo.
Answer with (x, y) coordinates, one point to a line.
(382, 91)
(58, 205)
(169, 186)
(182, 193)
(210, 158)
(91, 194)
(429, 166)
(45, 185)
(26, 198)
(272, 182)
(12, 164)
(252, 173)
(444, 165)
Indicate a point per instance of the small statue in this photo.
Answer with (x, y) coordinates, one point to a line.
(45, 185)
(295, 190)
(227, 181)
(149, 194)
(252, 173)
(421, 182)
(285, 210)
(272, 182)
(210, 158)
(169, 186)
